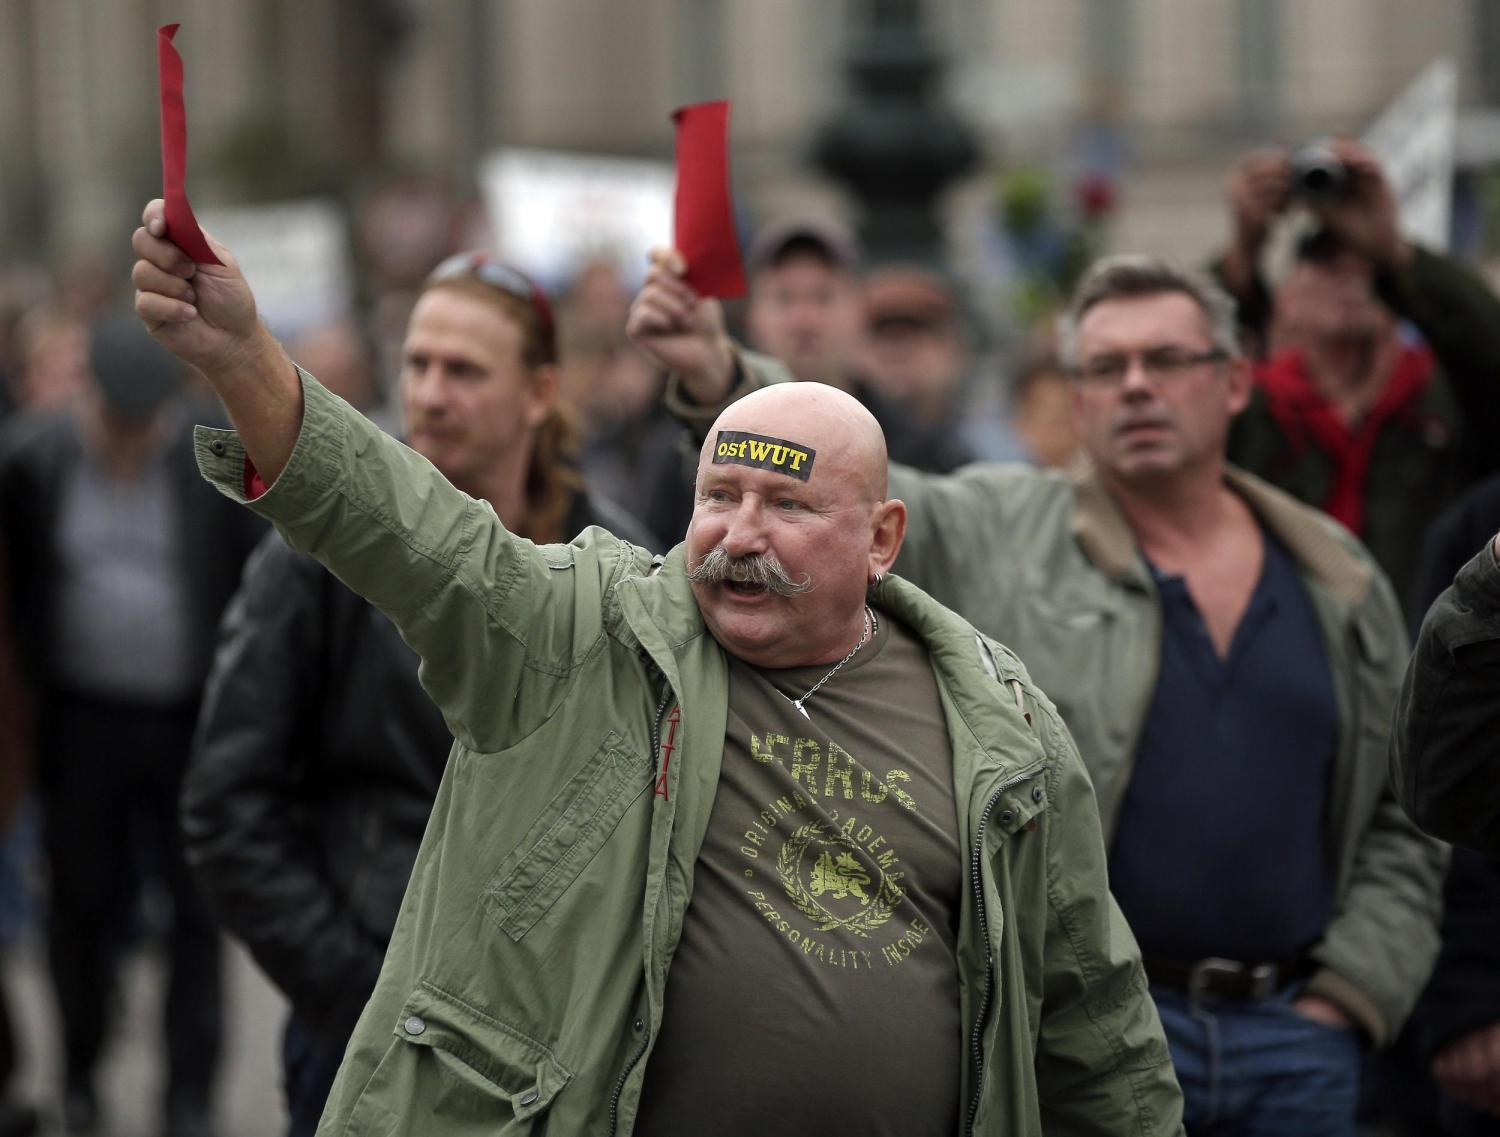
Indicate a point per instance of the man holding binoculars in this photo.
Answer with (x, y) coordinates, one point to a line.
(1352, 413)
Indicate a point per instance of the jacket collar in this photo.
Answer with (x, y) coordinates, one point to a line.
(663, 614)
(1107, 540)
(666, 598)
(667, 615)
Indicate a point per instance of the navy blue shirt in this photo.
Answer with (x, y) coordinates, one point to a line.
(1219, 848)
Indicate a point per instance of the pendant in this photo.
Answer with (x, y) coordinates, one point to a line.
(800, 710)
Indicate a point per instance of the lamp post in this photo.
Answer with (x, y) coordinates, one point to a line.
(894, 141)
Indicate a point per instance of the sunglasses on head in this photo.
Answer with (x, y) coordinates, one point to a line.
(512, 281)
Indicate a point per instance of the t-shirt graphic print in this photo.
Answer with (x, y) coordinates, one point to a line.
(817, 964)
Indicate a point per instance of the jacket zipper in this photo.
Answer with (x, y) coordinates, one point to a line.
(661, 709)
(614, 1100)
(976, 858)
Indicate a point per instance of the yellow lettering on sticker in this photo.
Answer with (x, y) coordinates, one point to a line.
(759, 450)
(797, 456)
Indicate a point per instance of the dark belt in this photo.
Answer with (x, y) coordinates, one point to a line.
(1216, 978)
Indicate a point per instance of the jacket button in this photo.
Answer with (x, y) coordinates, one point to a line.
(529, 1097)
(639, 1026)
(1036, 794)
(218, 447)
(1007, 816)
(414, 1025)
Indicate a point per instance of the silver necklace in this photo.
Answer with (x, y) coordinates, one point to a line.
(870, 625)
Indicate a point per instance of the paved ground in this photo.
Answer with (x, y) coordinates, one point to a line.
(249, 1097)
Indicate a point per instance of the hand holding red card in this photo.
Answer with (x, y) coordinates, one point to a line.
(182, 226)
(704, 215)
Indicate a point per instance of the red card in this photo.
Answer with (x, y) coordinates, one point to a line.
(704, 215)
(182, 226)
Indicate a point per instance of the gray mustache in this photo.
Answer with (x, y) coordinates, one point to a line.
(717, 566)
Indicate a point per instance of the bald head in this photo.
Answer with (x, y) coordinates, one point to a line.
(846, 442)
(791, 526)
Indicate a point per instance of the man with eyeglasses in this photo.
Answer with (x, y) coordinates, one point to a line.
(1227, 659)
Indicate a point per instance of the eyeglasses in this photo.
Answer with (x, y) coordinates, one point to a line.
(511, 281)
(1161, 364)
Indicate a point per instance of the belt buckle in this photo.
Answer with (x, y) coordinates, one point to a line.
(1202, 973)
(1262, 977)
(1263, 981)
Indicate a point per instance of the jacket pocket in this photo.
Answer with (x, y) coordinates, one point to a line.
(455, 1068)
(571, 829)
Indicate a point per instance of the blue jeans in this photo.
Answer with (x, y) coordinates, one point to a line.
(1257, 1068)
(308, 1074)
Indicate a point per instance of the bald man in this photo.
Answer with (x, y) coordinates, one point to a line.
(751, 836)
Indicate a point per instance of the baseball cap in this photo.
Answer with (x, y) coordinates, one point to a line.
(909, 295)
(821, 237)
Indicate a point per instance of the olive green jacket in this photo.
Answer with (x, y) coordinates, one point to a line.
(1047, 564)
(523, 987)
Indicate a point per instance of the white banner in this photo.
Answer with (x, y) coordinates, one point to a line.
(295, 254)
(552, 211)
(1414, 138)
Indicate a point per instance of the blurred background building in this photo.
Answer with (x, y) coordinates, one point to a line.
(1094, 123)
(325, 95)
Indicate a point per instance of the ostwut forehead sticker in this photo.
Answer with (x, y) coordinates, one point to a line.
(765, 453)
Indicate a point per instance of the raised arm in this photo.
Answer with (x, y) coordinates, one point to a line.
(957, 522)
(498, 624)
(682, 332)
(205, 315)
(1257, 191)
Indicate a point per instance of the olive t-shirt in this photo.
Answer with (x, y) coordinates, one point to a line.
(815, 989)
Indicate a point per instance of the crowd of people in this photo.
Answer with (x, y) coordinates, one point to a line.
(810, 716)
